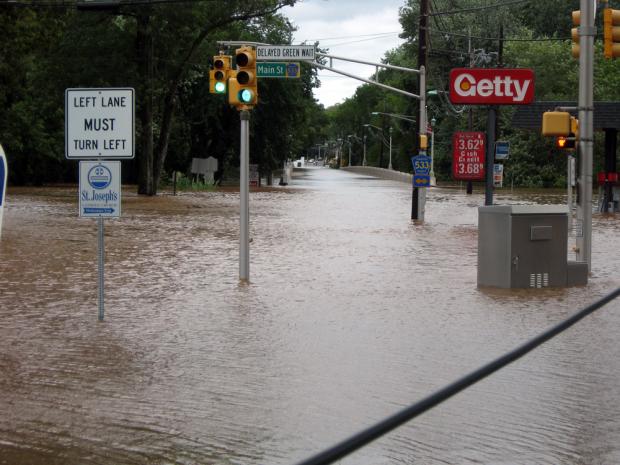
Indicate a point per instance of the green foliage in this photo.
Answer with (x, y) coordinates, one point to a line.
(185, 183)
(536, 35)
(46, 50)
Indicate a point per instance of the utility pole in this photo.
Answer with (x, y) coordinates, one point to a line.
(587, 32)
(418, 198)
(470, 111)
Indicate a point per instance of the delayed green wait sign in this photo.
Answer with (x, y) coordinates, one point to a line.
(266, 69)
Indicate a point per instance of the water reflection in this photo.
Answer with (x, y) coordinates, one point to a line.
(352, 313)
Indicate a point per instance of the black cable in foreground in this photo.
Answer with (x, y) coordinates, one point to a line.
(379, 429)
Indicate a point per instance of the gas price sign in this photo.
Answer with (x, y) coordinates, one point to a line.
(468, 156)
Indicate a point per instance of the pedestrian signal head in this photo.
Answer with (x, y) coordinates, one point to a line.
(565, 143)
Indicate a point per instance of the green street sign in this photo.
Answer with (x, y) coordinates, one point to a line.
(267, 69)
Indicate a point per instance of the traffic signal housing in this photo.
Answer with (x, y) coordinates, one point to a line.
(574, 32)
(423, 142)
(218, 76)
(563, 126)
(611, 33)
(556, 123)
(243, 92)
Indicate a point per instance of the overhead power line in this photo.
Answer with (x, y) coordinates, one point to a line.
(354, 41)
(74, 3)
(478, 8)
(355, 36)
(461, 34)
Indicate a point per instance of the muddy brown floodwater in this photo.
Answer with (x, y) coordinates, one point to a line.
(352, 313)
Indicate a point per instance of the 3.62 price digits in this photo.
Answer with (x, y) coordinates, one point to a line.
(469, 144)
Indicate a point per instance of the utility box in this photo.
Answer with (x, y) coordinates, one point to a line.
(525, 246)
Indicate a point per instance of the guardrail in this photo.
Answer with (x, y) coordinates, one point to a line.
(381, 173)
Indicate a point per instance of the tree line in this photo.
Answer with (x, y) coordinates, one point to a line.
(476, 33)
(163, 50)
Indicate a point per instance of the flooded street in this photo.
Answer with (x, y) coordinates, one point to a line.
(352, 313)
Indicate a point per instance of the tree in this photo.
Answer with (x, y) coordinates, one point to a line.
(180, 31)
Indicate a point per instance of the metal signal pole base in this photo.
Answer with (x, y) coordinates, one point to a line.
(244, 198)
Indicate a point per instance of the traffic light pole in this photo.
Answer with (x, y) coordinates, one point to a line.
(244, 195)
(587, 32)
(418, 194)
(490, 155)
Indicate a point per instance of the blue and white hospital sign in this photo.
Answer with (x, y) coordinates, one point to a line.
(3, 177)
(100, 189)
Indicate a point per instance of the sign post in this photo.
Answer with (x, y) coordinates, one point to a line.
(100, 197)
(4, 174)
(99, 125)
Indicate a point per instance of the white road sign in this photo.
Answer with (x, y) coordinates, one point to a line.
(285, 52)
(99, 123)
(100, 189)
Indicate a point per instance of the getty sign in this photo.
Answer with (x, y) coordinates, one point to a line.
(491, 86)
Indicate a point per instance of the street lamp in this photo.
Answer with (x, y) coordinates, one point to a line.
(390, 163)
(349, 142)
(364, 160)
(382, 140)
(395, 115)
(432, 173)
(368, 125)
(338, 151)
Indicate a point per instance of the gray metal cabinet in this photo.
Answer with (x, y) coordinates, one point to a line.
(522, 246)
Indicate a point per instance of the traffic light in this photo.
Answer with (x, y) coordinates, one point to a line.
(218, 76)
(574, 127)
(569, 141)
(574, 32)
(611, 33)
(423, 141)
(556, 123)
(243, 91)
(563, 142)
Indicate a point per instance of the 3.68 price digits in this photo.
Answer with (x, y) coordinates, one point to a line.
(470, 168)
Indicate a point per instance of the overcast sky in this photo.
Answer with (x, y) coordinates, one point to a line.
(359, 29)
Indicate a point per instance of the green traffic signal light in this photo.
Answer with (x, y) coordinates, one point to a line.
(220, 87)
(246, 96)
